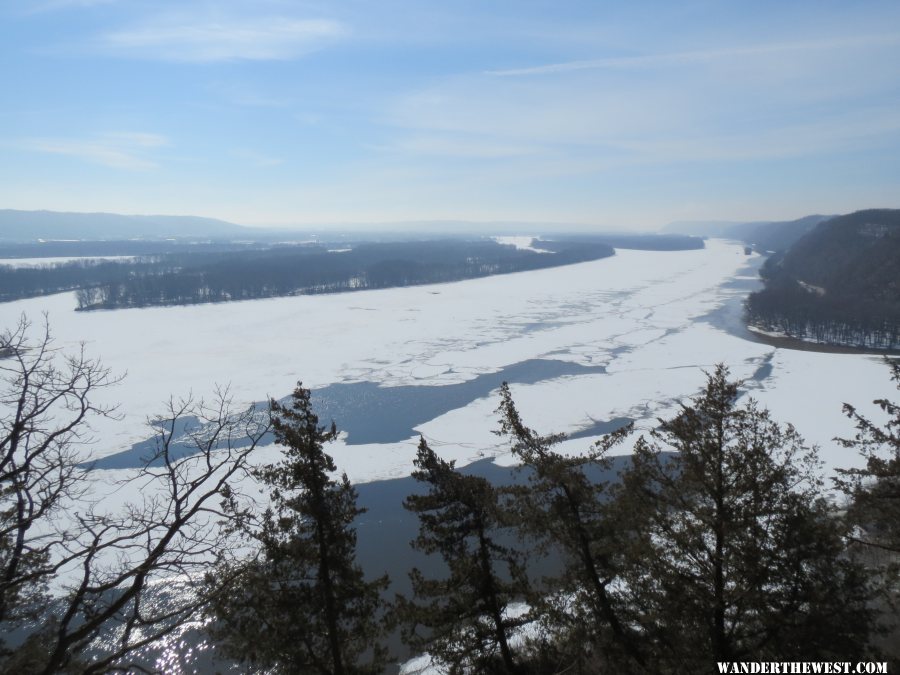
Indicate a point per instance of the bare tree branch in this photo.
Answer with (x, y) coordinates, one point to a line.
(114, 569)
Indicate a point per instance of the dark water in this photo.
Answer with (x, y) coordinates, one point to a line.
(369, 413)
(385, 531)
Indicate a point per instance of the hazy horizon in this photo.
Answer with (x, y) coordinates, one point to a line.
(316, 115)
(486, 227)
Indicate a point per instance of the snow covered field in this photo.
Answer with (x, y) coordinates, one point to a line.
(644, 315)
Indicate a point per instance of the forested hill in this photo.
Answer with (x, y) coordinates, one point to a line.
(28, 226)
(776, 236)
(840, 283)
(764, 236)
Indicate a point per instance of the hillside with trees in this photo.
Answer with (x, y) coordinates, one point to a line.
(839, 284)
(22, 226)
(765, 236)
(775, 236)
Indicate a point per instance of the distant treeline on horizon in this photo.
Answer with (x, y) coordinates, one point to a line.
(202, 273)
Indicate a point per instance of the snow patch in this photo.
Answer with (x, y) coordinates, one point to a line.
(521, 243)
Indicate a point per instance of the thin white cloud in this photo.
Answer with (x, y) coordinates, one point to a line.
(857, 130)
(772, 101)
(200, 40)
(752, 110)
(54, 5)
(116, 150)
(700, 56)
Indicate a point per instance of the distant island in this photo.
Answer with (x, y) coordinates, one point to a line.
(160, 271)
(194, 278)
(202, 274)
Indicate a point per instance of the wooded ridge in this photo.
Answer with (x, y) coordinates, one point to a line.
(839, 283)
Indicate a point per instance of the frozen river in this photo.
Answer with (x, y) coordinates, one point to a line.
(584, 346)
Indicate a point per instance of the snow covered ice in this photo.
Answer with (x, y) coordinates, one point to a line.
(641, 314)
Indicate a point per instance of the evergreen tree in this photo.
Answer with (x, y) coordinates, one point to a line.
(463, 619)
(585, 618)
(303, 604)
(874, 490)
(742, 558)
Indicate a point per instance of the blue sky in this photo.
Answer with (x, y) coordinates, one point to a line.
(615, 114)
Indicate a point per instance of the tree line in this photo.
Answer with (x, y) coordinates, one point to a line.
(789, 308)
(186, 277)
(715, 544)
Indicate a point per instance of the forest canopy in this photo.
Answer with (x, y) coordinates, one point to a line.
(838, 284)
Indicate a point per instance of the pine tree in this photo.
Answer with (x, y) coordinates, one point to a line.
(874, 490)
(303, 604)
(585, 617)
(463, 619)
(742, 557)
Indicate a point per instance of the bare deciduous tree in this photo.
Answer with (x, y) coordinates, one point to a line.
(83, 585)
